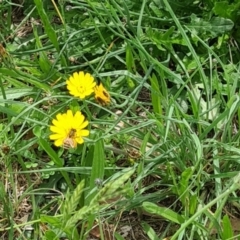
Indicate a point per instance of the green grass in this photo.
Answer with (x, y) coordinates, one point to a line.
(162, 158)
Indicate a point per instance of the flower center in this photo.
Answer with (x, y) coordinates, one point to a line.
(71, 133)
(81, 89)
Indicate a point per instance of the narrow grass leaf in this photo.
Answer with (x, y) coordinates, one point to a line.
(191, 48)
(145, 142)
(149, 231)
(46, 23)
(25, 77)
(139, 27)
(198, 145)
(130, 66)
(213, 125)
(11, 76)
(43, 59)
(155, 95)
(232, 186)
(169, 115)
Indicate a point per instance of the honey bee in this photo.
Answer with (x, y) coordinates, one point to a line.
(68, 141)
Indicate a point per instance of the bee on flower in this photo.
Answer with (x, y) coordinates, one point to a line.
(68, 129)
(69, 140)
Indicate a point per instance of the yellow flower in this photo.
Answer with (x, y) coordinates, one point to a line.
(68, 129)
(101, 95)
(81, 85)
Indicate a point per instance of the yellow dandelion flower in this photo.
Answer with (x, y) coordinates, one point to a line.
(101, 95)
(81, 85)
(68, 129)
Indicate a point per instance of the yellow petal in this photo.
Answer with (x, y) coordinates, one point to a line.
(58, 142)
(84, 133)
(79, 140)
(56, 136)
(57, 130)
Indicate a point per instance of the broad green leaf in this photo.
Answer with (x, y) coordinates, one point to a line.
(97, 165)
(184, 181)
(193, 200)
(129, 59)
(51, 153)
(227, 228)
(226, 10)
(118, 236)
(50, 235)
(182, 187)
(54, 221)
(215, 26)
(221, 25)
(164, 39)
(57, 161)
(14, 93)
(130, 66)
(8, 111)
(156, 9)
(163, 212)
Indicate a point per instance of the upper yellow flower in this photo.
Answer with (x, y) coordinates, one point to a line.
(101, 95)
(68, 129)
(81, 85)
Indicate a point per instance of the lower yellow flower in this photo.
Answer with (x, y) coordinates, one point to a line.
(68, 129)
(101, 95)
(81, 85)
